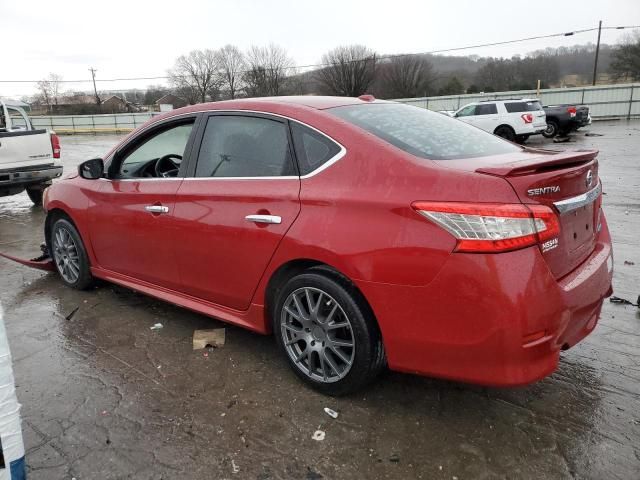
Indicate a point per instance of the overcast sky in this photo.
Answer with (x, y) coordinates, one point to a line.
(142, 38)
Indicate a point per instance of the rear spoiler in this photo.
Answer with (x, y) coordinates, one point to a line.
(548, 160)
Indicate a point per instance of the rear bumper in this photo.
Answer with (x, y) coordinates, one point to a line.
(27, 176)
(498, 320)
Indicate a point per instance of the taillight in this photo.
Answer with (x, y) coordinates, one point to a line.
(527, 117)
(492, 227)
(55, 145)
(572, 111)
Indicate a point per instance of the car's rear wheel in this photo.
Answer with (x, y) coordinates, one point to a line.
(327, 333)
(35, 194)
(69, 255)
(506, 132)
(551, 130)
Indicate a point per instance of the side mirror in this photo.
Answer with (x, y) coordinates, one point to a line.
(91, 169)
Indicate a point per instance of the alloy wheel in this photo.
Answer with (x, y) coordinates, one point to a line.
(65, 254)
(317, 335)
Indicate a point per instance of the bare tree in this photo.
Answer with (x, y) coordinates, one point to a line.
(231, 66)
(407, 76)
(267, 71)
(194, 75)
(350, 70)
(626, 59)
(49, 90)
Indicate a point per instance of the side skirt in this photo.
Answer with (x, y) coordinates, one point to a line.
(252, 319)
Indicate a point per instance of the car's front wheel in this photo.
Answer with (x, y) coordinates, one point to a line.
(327, 333)
(69, 255)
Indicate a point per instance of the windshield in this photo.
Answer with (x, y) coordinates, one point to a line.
(423, 133)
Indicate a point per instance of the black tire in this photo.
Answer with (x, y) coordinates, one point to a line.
(64, 229)
(505, 132)
(35, 194)
(522, 139)
(551, 130)
(367, 356)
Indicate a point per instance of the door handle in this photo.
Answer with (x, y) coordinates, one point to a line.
(274, 219)
(157, 209)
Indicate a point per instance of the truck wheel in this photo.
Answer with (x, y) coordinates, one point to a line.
(551, 130)
(35, 194)
(505, 132)
(69, 255)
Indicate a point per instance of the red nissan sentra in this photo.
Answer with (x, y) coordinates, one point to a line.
(361, 233)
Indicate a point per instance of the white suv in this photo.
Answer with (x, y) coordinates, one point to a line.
(514, 120)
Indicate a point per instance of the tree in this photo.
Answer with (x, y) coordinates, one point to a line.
(406, 76)
(452, 87)
(267, 71)
(194, 75)
(626, 59)
(231, 65)
(49, 90)
(350, 70)
(154, 93)
(473, 88)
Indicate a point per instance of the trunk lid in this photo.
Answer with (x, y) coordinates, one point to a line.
(568, 183)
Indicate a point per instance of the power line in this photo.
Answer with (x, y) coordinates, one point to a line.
(388, 56)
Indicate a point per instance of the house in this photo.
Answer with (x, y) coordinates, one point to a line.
(170, 101)
(114, 104)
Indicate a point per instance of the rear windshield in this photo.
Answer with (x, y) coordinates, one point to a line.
(522, 106)
(423, 133)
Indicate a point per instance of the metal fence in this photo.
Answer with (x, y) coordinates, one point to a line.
(103, 123)
(604, 101)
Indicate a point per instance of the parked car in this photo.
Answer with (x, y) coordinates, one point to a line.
(29, 158)
(514, 120)
(361, 233)
(564, 119)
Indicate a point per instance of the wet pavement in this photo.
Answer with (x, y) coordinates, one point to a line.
(105, 397)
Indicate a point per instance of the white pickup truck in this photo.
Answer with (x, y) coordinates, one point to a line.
(29, 158)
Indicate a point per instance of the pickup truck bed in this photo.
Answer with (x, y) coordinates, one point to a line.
(564, 119)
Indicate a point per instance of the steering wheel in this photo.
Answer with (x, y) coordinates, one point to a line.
(171, 168)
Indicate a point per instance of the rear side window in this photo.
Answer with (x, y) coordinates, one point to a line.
(516, 107)
(236, 146)
(486, 109)
(312, 148)
(423, 133)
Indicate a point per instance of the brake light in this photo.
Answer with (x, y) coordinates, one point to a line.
(527, 117)
(490, 227)
(572, 111)
(55, 145)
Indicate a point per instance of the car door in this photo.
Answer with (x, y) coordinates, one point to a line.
(466, 114)
(239, 200)
(131, 215)
(486, 117)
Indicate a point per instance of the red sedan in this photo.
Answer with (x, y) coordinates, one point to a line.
(362, 233)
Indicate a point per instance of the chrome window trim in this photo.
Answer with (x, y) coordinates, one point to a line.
(324, 166)
(573, 203)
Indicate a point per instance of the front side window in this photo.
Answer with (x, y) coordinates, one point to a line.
(237, 146)
(312, 148)
(423, 133)
(171, 141)
(467, 111)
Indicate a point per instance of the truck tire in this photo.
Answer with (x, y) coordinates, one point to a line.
(506, 132)
(35, 194)
(551, 130)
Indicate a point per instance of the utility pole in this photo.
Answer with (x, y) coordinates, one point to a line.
(595, 64)
(93, 76)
